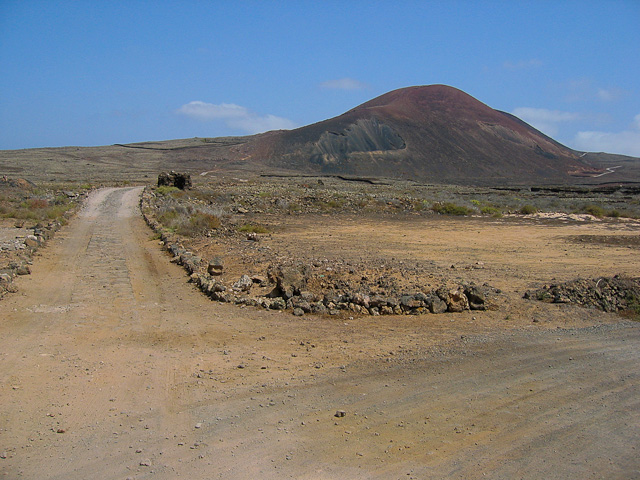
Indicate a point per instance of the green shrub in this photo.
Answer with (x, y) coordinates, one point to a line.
(34, 203)
(419, 205)
(528, 210)
(595, 210)
(488, 210)
(197, 224)
(168, 217)
(166, 190)
(448, 208)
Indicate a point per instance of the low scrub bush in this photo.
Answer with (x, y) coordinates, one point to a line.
(595, 210)
(197, 224)
(167, 190)
(528, 210)
(36, 209)
(448, 208)
(248, 228)
(187, 220)
(488, 210)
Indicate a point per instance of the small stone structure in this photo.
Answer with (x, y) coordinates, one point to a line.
(174, 179)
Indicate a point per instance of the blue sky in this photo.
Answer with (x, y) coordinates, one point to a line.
(102, 72)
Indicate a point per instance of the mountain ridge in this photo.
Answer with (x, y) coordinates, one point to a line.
(431, 133)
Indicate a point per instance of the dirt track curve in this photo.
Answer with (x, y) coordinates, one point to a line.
(112, 366)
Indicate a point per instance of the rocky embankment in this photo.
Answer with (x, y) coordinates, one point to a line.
(305, 287)
(18, 251)
(612, 294)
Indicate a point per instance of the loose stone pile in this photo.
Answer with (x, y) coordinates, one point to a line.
(18, 253)
(302, 288)
(287, 296)
(608, 294)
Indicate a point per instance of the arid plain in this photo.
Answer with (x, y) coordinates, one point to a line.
(113, 365)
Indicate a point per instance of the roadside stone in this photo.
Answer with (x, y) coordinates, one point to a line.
(244, 284)
(288, 280)
(23, 269)
(458, 301)
(278, 304)
(610, 294)
(215, 267)
(437, 305)
(477, 297)
(31, 241)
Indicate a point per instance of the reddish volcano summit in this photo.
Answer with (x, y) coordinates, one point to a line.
(432, 133)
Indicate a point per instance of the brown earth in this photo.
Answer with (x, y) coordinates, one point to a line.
(112, 366)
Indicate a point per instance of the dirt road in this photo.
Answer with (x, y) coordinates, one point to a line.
(112, 366)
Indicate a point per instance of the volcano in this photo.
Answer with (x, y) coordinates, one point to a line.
(433, 133)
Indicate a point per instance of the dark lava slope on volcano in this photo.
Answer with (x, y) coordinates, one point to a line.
(430, 133)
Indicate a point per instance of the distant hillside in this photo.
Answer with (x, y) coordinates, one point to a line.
(431, 133)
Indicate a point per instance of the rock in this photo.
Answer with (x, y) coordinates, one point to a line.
(607, 294)
(410, 301)
(437, 305)
(278, 304)
(318, 307)
(31, 241)
(301, 303)
(253, 236)
(215, 267)
(457, 301)
(340, 414)
(244, 284)
(289, 281)
(477, 297)
(361, 299)
(377, 301)
(23, 269)
(298, 312)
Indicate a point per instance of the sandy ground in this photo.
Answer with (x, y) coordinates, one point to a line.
(113, 367)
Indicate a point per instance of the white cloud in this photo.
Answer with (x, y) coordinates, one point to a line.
(610, 94)
(547, 121)
(522, 64)
(344, 84)
(626, 142)
(235, 116)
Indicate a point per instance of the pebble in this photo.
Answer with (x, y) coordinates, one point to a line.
(340, 413)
